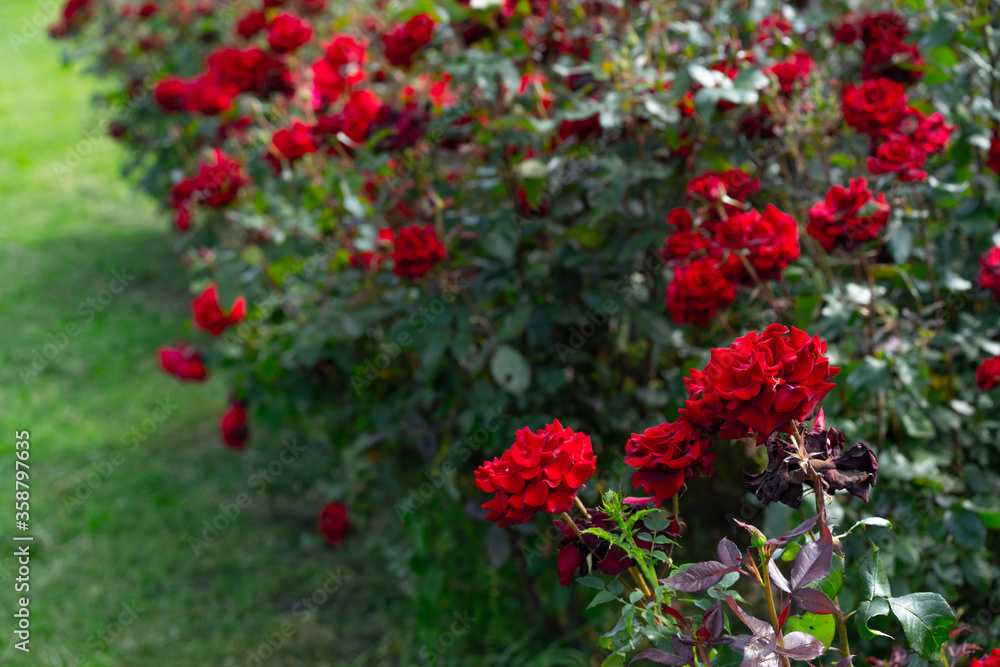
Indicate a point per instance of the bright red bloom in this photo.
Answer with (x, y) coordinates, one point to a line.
(988, 375)
(760, 383)
(667, 455)
(208, 314)
(541, 471)
(698, 291)
(899, 156)
(170, 92)
(216, 184)
(359, 115)
(416, 250)
(792, 70)
(850, 215)
(991, 660)
(683, 244)
(250, 24)
(771, 237)
(341, 67)
(733, 183)
(182, 361)
(875, 107)
(993, 158)
(403, 42)
(74, 14)
(989, 271)
(291, 143)
(334, 525)
(249, 70)
(886, 55)
(288, 32)
(233, 426)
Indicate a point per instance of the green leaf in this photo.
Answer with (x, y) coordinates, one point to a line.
(967, 528)
(874, 581)
(868, 610)
(614, 660)
(591, 582)
(876, 521)
(821, 626)
(510, 370)
(601, 598)
(926, 618)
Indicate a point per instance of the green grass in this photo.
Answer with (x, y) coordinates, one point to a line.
(127, 541)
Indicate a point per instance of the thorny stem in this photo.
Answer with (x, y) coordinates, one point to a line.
(583, 508)
(572, 524)
(845, 647)
(641, 581)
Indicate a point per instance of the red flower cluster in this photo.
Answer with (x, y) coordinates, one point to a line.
(759, 384)
(541, 471)
(290, 143)
(667, 455)
(403, 42)
(886, 54)
(216, 184)
(705, 255)
(902, 136)
(991, 660)
(334, 525)
(415, 250)
(989, 271)
(341, 67)
(208, 314)
(233, 426)
(230, 72)
(792, 70)
(848, 216)
(182, 361)
(988, 374)
(287, 33)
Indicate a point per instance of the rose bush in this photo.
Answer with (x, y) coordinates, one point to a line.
(440, 215)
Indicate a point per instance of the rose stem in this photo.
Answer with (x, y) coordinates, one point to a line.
(583, 508)
(771, 608)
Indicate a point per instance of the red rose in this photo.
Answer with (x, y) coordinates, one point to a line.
(682, 245)
(170, 92)
(892, 58)
(697, 292)
(312, 6)
(931, 133)
(233, 426)
(993, 158)
(182, 361)
(667, 455)
(334, 525)
(712, 186)
(209, 96)
(989, 271)
(792, 70)
(360, 113)
(208, 314)
(899, 156)
(403, 42)
(291, 143)
(680, 218)
(875, 107)
(988, 374)
(287, 33)
(251, 23)
(881, 27)
(416, 250)
(249, 70)
(74, 14)
(992, 660)
(541, 471)
(760, 383)
(216, 183)
(850, 215)
(771, 239)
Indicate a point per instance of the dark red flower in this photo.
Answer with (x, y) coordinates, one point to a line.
(182, 361)
(666, 456)
(341, 67)
(892, 58)
(698, 291)
(216, 183)
(250, 24)
(291, 143)
(233, 426)
(899, 156)
(760, 383)
(993, 158)
(288, 32)
(875, 107)
(359, 115)
(416, 250)
(989, 271)
(988, 374)
(208, 314)
(541, 471)
(402, 42)
(579, 129)
(334, 525)
(874, 28)
(733, 183)
(170, 92)
(683, 244)
(74, 14)
(771, 239)
(848, 216)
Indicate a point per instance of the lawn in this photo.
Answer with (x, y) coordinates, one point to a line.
(90, 285)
